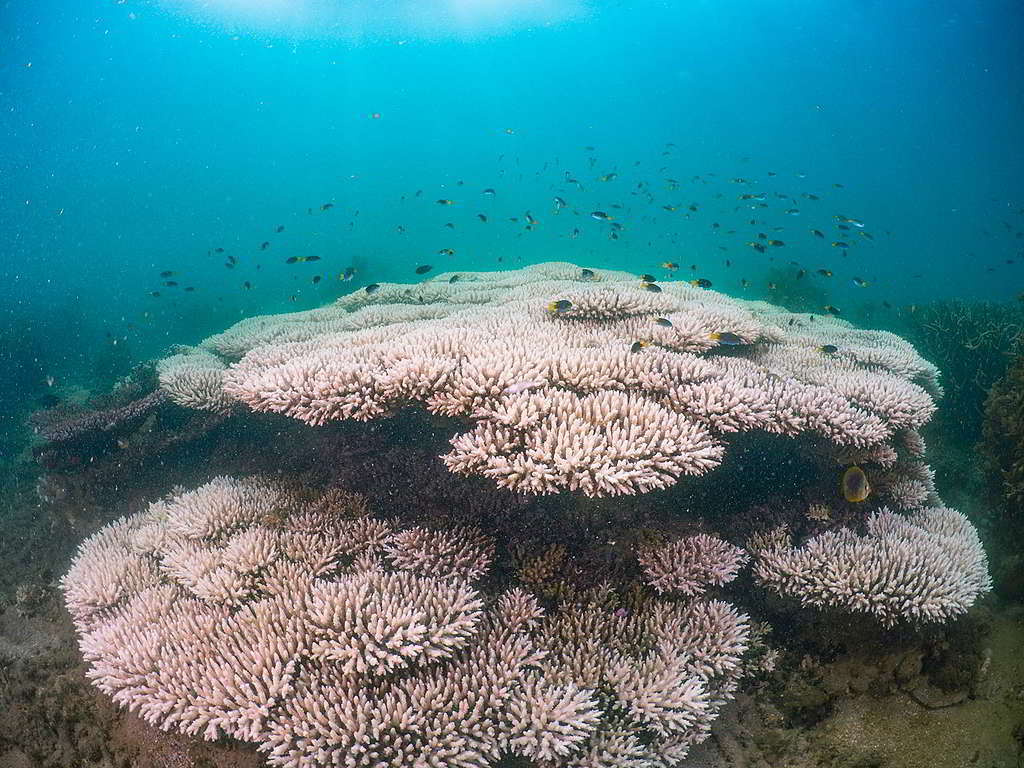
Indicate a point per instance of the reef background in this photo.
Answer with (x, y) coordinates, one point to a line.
(141, 136)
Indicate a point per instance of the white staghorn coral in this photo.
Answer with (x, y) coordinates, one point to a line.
(328, 638)
(689, 565)
(926, 566)
(540, 384)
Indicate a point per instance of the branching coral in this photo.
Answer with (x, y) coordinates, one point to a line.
(927, 566)
(330, 638)
(619, 391)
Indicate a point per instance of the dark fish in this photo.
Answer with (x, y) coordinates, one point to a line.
(757, 246)
(348, 274)
(481, 217)
(855, 484)
(291, 260)
(828, 349)
(825, 272)
(155, 293)
(776, 243)
(664, 322)
(218, 250)
(860, 282)
(189, 289)
(701, 282)
(229, 265)
(326, 206)
(652, 287)
(840, 244)
(264, 245)
(453, 279)
(166, 273)
(280, 229)
(831, 310)
(560, 306)
(450, 225)
(647, 278)
(247, 284)
(600, 216)
(316, 279)
(170, 283)
(587, 274)
(638, 345)
(728, 339)
(445, 201)
(372, 288)
(800, 274)
(817, 233)
(423, 269)
(489, 191)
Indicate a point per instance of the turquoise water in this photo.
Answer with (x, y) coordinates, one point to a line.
(140, 136)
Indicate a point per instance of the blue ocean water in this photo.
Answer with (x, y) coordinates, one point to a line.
(140, 137)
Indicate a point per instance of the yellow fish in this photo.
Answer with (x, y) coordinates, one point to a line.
(855, 484)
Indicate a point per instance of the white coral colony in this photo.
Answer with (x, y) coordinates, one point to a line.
(600, 397)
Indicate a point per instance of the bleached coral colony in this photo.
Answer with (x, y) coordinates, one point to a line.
(300, 622)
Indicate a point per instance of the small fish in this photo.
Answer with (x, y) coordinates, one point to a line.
(347, 275)
(372, 288)
(280, 229)
(559, 203)
(860, 282)
(855, 484)
(825, 272)
(316, 279)
(170, 283)
(264, 245)
(647, 278)
(664, 322)
(701, 282)
(809, 196)
(489, 191)
(189, 288)
(638, 345)
(600, 216)
(728, 339)
(247, 285)
(608, 177)
(757, 246)
(326, 206)
(229, 265)
(450, 225)
(840, 244)
(800, 274)
(828, 349)
(652, 287)
(692, 206)
(776, 243)
(792, 211)
(218, 250)
(671, 266)
(445, 201)
(154, 293)
(587, 274)
(423, 269)
(453, 279)
(560, 306)
(831, 310)
(818, 233)
(446, 252)
(166, 273)
(482, 217)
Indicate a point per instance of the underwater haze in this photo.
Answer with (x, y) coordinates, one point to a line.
(141, 138)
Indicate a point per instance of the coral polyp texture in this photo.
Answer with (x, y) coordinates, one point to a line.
(581, 380)
(926, 566)
(330, 638)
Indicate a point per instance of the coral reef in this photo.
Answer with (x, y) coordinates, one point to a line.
(329, 637)
(972, 343)
(600, 386)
